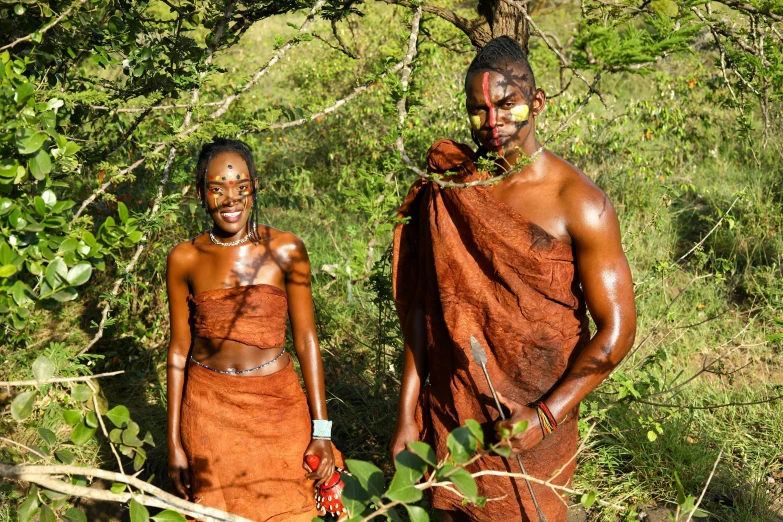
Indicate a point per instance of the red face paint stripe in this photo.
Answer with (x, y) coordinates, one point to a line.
(491, 109)
(485, 85)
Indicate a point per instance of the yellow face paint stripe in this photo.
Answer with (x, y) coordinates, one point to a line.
(475, 121)
(519, 113)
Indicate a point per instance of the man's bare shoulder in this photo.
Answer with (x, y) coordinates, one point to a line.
(582, 200)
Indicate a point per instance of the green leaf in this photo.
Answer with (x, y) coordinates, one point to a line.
(28, 143)
(122, 210)
(118, 416)
(40, 165)
(65, 456)
(518, 427)
(417, 514)
(72, 416)
(40, 205)
(27, 509)
(425, 452)
(138, 513)
(130, 435)
(588, 499)
(461, 444)
(168, 516)
(117, 487)
(355, 497)
(652, 436)
(79, 274)
(46, 514)
(477, 431)
(69, 245)
(49, 198)
(48, 436)
(23, 404)
(23, 92)
(65, 295)
(81, 393)
(75, 515)
(370, 477)
(410, 468)
(148, 439)
(56, 272)
(7, 270)
(43, 368)
(139, 459)
(81, 434)
(21, 293)
(464, 482)
(91, 420)
(115, 436)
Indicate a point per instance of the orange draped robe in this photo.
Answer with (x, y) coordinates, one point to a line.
(477, 267)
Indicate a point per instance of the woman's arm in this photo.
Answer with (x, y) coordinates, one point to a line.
(179, 346)
(302, 316)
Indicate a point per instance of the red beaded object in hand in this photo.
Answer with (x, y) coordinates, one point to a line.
(328, 497)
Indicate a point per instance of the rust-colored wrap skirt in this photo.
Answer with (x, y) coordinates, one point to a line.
(245, 439)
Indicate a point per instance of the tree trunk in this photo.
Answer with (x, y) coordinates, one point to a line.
(502, 18)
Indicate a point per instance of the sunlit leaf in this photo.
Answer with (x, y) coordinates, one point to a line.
(43, 368)
(22, 406)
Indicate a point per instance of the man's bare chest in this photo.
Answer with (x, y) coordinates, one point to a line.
(538, 203)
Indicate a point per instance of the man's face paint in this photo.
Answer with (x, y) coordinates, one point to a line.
(519, 113)
(491, 110)
(475, 121)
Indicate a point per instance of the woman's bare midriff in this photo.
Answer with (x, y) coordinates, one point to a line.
(226, 355)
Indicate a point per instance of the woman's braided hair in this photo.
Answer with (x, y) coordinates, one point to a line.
(497, 54)
(219, 146)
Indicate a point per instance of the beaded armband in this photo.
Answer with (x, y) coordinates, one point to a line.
(545, 417)
(322, 429)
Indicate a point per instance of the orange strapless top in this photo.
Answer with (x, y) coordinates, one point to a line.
(253, 315)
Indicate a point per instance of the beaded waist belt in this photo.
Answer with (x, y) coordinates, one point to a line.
(237, 372)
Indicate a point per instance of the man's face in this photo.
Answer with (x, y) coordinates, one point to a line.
(501, 107)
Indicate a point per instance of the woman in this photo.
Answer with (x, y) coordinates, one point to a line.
(239, 426)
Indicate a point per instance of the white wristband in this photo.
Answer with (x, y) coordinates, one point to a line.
(322, 429)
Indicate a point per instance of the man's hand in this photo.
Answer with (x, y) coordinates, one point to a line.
(179, 473)
(323, 450)
(532, 434)
(405, 433)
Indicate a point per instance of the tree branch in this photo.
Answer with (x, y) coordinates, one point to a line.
(33, 382)
(45, 28)
(224, 106)
(748, 8)
(156, 497)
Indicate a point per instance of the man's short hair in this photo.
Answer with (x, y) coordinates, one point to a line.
(497, 54)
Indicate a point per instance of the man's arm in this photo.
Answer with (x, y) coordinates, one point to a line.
(608, 289)
(414, 372)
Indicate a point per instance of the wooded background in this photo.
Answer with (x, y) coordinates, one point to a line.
(672, 106)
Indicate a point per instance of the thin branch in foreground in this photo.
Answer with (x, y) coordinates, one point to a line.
(33, 382)
(155, 497)
(402, 109)
(45, 28)
(706, 485)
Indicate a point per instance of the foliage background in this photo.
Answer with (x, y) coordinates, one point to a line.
(685, 140)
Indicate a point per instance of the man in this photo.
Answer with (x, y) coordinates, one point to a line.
(515, 264)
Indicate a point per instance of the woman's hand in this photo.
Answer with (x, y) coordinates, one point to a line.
(323, 450)
(532, 434)
(179, 472)
(407, 431)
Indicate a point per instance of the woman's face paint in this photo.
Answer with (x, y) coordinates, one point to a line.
(519, 113)
(216, 200)
(475, 121)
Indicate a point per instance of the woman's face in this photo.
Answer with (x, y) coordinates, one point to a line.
(229, 192)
